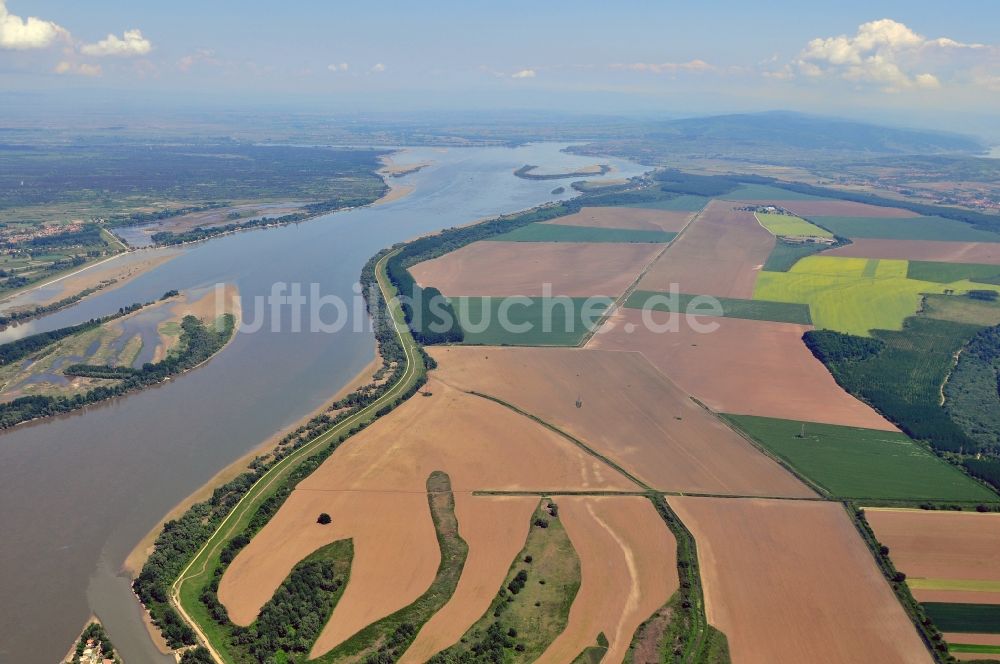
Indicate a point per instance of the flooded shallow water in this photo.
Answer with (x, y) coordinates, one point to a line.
(78, 492)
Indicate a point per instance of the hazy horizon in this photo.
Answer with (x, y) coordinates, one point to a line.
(894, 63)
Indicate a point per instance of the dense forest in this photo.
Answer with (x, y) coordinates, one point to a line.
(901, 374)
(971, 393)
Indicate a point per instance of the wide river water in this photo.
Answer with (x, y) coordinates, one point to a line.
(78, 492)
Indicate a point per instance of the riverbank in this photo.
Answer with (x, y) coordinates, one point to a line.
(137, 557)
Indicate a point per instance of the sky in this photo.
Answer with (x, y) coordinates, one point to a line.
(919, 62)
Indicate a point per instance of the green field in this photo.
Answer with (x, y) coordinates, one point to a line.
(973, 585)
(853, 295)
(848, 462)
(562, 233)
(781, 312)
(786, 225)
(786, 254)
(943, 273)
(915, 228)
(965, 618)
(681, 203)
(764, 192)
(961, 309)
(547, 319)
(974, 648)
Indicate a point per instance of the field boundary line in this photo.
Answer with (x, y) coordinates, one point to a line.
(576, 441)
(620, 300)
(274, 474)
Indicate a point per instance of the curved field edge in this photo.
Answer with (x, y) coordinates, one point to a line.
(387, 638)
(544, 576)
(189, 550)
(678, 632)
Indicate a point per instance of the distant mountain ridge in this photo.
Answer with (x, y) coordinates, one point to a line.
(809, 132)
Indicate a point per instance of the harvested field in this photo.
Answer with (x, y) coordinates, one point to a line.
(788, 581)
(946, 556)
(577, 269)
(629, 412)
(373, 487)
(720, 253)
(921, 250)
(744, 367)
(628, 570)
(495, 529)
(626, 218)
(971, 647)
(837, 208)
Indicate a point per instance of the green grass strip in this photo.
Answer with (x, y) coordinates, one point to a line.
(780, 312)
(976, 648)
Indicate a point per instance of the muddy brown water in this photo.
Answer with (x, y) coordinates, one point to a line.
(78, 492)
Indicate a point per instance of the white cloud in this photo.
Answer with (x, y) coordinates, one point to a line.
(341, 67)
(130, 44)
(886, 53)
(378, 68)
(201, 56)
(82, 69)
(665, 67)
(524, 73)
(20, 33)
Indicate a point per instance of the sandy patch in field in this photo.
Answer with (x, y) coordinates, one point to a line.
(628, 570)
(837, 208)
(576, 269)
(792, 581)
(921, 250)
(495, 528)
(378, 477)
(628, 412)
(926, 544)
(719, 253)
(626, 218)
(744, 367)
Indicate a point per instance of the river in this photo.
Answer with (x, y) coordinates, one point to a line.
(79, 491)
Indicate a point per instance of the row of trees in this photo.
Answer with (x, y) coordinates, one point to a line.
(309, 211)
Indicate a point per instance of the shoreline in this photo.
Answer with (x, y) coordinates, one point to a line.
(136, 558)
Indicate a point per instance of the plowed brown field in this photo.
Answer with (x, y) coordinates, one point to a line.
(495, 529)
(922, 250)
(943, 546)
(628, 570)
(628, 412)
(374, 488)
(792, 581)
(719, 253)
(575, 269)
(744, 367)
(629, 218)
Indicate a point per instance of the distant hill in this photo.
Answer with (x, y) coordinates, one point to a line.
(779, 137)
(808, 132)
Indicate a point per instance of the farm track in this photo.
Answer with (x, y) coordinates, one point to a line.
(199, 569)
